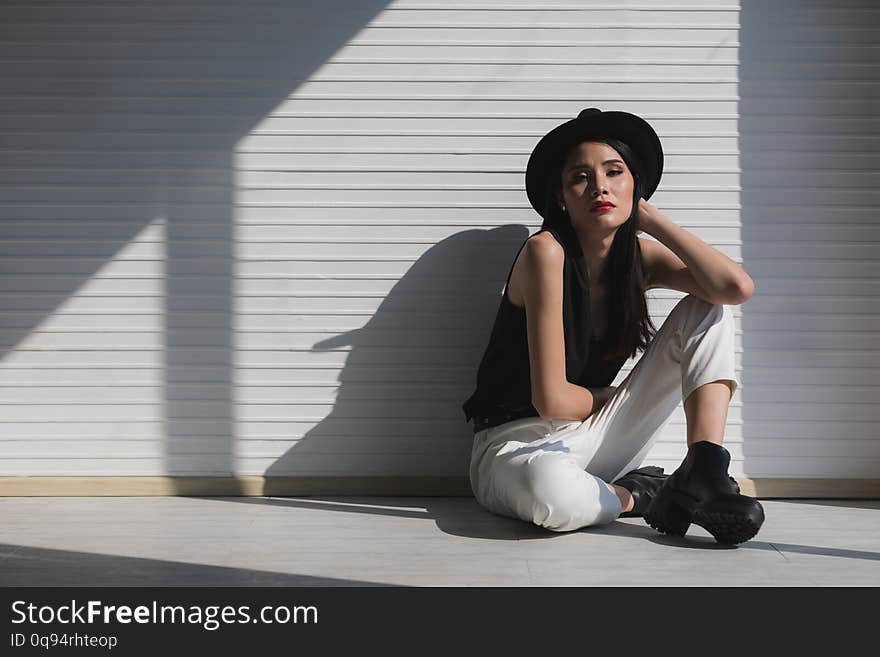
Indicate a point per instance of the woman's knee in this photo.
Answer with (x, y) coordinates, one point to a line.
(562, 497)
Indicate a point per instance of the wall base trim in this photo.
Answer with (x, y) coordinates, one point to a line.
(258, 486)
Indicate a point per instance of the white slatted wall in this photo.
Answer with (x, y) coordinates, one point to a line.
(271, 239)
(809, 162)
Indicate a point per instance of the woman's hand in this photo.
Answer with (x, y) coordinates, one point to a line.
(647, 217)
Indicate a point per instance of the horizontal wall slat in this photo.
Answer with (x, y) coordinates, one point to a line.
(318, 378)
(475, 217)
(366, 391)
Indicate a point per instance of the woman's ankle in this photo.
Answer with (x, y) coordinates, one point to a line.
(625, 497)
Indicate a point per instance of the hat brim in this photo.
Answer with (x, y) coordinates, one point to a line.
(628, 128)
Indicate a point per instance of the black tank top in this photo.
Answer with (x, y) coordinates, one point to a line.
(504, 388)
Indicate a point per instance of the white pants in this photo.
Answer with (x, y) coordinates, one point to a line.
(553, 472)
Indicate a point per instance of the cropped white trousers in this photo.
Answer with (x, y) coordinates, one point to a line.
(553, 472)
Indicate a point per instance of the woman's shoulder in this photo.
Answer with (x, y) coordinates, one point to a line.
(545, 245)
(541, 253)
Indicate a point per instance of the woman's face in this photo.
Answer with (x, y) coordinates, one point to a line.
(594, 172)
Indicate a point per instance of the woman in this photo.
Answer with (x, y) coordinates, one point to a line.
(553, 438)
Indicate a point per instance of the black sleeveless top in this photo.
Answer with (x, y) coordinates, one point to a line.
(504, 388)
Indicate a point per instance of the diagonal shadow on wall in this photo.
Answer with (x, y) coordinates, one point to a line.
(117, 117)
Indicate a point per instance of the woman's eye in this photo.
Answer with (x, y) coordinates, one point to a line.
(584, 176)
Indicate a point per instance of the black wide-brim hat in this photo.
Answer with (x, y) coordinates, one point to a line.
(632, 130)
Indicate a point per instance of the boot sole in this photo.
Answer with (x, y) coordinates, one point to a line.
(730, 519)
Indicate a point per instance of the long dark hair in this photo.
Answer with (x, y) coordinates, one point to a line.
(630, 328)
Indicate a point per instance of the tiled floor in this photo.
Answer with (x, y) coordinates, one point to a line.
(414, 541)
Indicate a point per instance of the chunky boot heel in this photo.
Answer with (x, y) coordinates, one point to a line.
(666, 516)
(731, 519)
(701, 492)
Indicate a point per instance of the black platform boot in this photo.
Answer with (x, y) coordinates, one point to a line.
(701, 492)
(643, 484)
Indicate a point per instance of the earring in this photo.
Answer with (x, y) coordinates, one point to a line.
(563, 208)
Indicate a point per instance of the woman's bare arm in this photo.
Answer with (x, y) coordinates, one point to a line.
(553, 396)
(682, 261)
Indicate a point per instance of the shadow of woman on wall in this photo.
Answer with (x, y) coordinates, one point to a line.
(395, 423)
